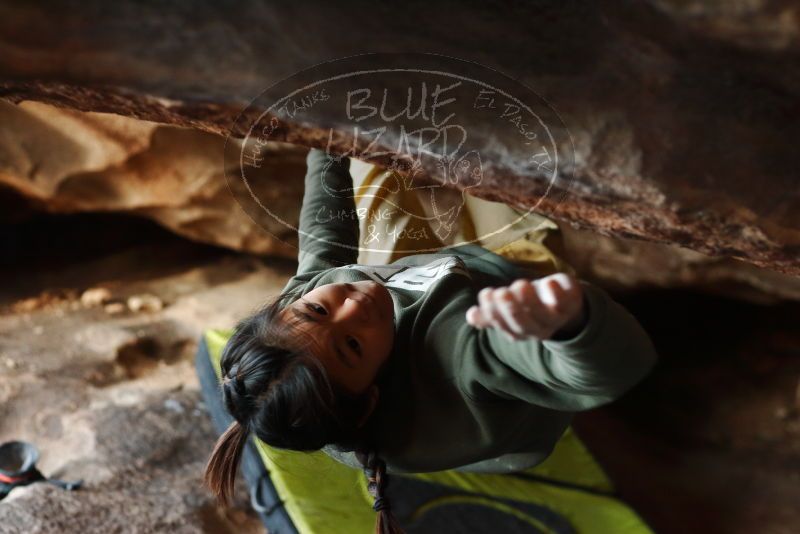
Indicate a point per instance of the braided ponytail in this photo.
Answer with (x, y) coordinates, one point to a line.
(278, 391)
(377, 482)
(220, 474)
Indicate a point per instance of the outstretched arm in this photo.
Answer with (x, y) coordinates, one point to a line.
(328, 233)
(569, 348)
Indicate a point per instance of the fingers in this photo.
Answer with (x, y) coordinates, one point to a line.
(528, 307)
(488, 300)
(509, 312)
(550, 293)
(506, 309)
(475, 318)
(486, 313)
(562, 294)
(524, 312)
(537, 316)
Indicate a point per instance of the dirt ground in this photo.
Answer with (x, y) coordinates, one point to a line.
(96, 369)
(96, 348)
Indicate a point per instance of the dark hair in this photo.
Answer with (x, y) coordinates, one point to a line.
(275, 388)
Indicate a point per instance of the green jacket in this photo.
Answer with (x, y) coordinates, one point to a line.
(452, 395)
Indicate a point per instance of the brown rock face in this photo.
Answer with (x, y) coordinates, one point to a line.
(632, 264)
(683, 116)
(67, 161)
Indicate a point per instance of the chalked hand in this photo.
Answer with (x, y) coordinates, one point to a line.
(541, 308)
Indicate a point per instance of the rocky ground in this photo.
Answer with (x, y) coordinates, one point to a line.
(96, 346)
(98, 373)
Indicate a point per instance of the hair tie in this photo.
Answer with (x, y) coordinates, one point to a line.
(381, 503)
(233, 376)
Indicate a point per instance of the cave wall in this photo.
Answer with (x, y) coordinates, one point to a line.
(67, 161)
(683, 115)
(62, 161)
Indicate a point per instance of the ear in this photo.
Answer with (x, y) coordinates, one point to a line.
(372, 394)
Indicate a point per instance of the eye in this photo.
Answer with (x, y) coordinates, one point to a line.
(353, 344)
(316, 308)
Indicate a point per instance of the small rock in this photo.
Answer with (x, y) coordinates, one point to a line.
(8, 362)
(144, 303)
(38, 330)
(114, 308)
(95, 296)
(26, 305)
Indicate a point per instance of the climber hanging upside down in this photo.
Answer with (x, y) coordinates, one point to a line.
(457, 359)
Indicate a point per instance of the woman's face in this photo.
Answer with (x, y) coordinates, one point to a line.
(351, 327)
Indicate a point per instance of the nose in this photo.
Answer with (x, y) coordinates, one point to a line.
(355, 310)
(353, 307)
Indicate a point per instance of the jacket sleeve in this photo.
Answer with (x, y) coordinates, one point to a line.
(328, 232)
(606, 358)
